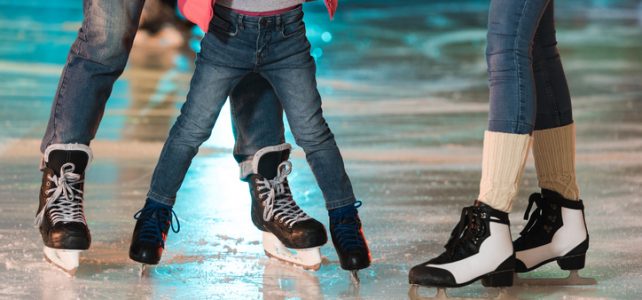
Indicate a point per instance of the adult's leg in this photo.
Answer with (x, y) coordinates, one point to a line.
(257, 119)
(554, 135)
(96, 59)
(511, 30)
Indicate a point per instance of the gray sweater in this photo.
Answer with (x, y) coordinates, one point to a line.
(259, 5)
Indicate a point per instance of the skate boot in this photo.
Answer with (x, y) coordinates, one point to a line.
(348, 239)
(479, 247)
(60, 216)
(148, 240)
(556, 231)
(274, 211)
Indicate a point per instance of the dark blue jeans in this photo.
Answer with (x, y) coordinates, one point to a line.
(98, 57)
(528, 89)
(277, 49)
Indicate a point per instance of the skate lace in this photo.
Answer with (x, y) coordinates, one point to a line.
(347, 231)
(64, 201)
(155, 219)
(279, 204)
(534, 221)
(470, 228)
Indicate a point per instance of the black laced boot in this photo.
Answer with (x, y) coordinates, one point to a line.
(274, 211)
(60, 216)
(348, 238)
(479, 248)
(153, 223)
(556, 230)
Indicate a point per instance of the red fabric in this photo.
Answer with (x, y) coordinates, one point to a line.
(200, 12)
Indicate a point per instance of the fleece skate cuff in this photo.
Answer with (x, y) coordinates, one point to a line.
(251, 164)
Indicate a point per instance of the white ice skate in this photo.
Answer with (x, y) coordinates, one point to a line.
(289, 234)
(60, 217)
(479, 248)
(556, 231)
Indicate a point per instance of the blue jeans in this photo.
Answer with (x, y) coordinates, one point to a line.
(98, 57)
(277, 49)
(528, 89)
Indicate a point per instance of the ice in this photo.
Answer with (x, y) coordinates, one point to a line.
(404, 88)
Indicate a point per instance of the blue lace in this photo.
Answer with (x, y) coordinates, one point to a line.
(346, 229)
(155, 218)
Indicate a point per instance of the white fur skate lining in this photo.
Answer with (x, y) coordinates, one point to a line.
(251, 166)
(69, 147)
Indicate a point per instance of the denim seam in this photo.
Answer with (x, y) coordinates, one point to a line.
(162, 199)
(340, 203)
(520, 96)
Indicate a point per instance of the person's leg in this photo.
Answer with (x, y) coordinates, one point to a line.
(511, 30)
(556, 230)
(96, 59)
(480, 246)
(210, 86)
(257, 119)
(554, 134)
(291, 71)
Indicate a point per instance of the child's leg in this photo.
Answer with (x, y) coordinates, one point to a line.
(296, 89)
(294, 80)
(208, 91)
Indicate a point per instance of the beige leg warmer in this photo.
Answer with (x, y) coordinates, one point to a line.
(503, 162)
(554, 152)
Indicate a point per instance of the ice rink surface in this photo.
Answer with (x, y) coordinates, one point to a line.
(404, 88)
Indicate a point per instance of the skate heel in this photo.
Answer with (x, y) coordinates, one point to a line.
(498, 279)
(572, 262)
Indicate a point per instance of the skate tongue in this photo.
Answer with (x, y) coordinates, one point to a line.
(57, 158)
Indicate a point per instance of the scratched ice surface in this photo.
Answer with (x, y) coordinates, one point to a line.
(404, 88)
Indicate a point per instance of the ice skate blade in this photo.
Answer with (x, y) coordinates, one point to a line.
(64, 259)
(308, 258)
(413, 293)
(144, 270)
(354, 276)
(573, 278)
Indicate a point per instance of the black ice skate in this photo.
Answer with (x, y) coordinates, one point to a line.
(275, 212)
(556, 231)
(479, 247)
(148, 240)
(348, 240)
(60, 216)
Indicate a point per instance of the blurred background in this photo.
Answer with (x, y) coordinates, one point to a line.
(405, 91)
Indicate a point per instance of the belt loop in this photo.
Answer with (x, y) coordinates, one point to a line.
(279, 23)
(239, 20)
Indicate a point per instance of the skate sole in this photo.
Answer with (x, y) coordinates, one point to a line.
(488, 280)
(63, 259)
(573, 278)
(550, 261)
